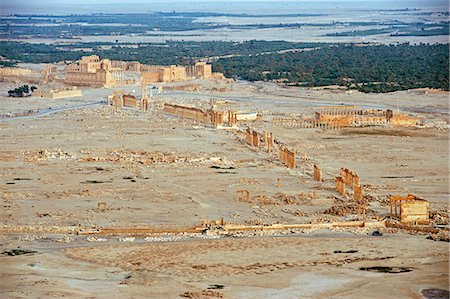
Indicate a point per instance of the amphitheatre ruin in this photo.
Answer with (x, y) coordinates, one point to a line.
(122, 179)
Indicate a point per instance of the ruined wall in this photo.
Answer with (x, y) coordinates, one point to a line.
(172, 73)
(57, 93)
(415, 211)
(340, 185)
(14, 71)
(287, 157)
(317, 173)
(191, 113)
(357, 193)
(249, 136)
(255, 139)
(150, 77)
(208, 117)
(249, 116)
(203, 70)
(129, 101)
(349, 177)
(403, 120)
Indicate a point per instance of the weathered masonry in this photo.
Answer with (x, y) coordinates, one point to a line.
(91, 71)
(287, 157)
(208, 117)
(410, 209)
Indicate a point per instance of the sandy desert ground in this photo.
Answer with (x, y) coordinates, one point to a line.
(59, 163)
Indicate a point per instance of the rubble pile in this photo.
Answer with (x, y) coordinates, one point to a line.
(286, 199)
(341, 209)
(126, 239)
(439, 218)
(441, 236)
(95, 239)
(46, 155)
(150, 158)
(30, 238)
(64, 239)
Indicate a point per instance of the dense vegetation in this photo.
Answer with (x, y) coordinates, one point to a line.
(182, 53)
(366, 68)
(22, 91)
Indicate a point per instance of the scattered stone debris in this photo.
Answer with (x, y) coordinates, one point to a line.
(439, 218)
(341, 210)
(30, 238)
(443, 236)
(95, 239)
(64, 239)
(45, 155)
(286, 199)
(126, 239)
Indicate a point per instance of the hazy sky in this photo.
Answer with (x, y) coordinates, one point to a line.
(237, 6)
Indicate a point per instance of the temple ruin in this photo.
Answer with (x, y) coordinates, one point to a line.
(93, 71)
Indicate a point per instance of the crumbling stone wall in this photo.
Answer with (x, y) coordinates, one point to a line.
(403, 120)
(129, 101)
(349, 177)
(255, 139)
(357, 193)
(287, 157)
(248, 136)
(317, 173)
(208, 117)
(340, 185)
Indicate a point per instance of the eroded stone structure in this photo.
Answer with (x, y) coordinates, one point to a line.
(93, 71)
(243, 195)
(317, 173)
(287, 157)
(200, 70)
(349, 177)
(207, 117)
(130, 101)
(57, 93)
(340, 185)
(102, 206)
(255, 139)
(14, 71)
(345, 116)
(411, 209)
(357, 193)
(172, 73)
